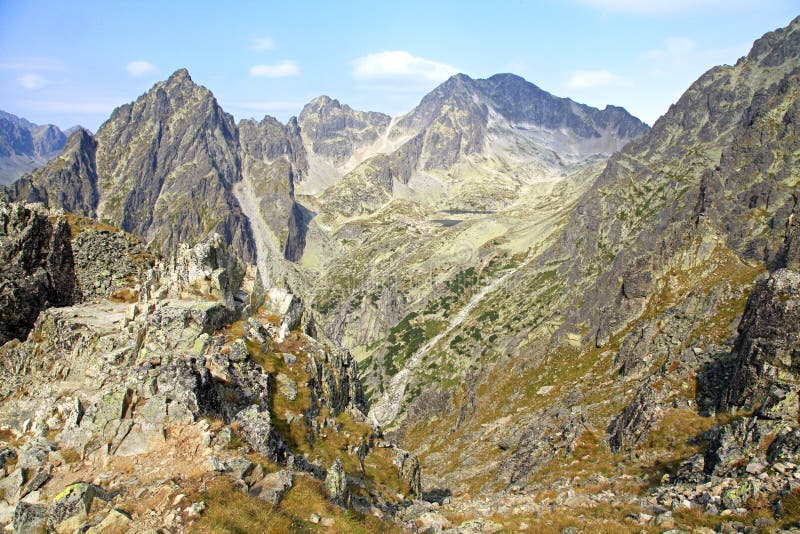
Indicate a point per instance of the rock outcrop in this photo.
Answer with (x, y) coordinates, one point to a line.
(766, 366)
(36, 267)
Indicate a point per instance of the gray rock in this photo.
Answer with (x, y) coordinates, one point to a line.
(336, 484)
(259, 432)
(272, 487)
(238, 351)
(286, 386)
(769, 336)
(30, 518)
(74, 503)
(631, 426)
(408, 470)
(36, 267)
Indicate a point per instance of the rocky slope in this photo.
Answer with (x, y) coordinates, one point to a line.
(25, 146)
(609, 357)
(166, 404)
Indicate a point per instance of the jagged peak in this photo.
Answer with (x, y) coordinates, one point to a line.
(180, 76)
(80, 137)
(777, 46)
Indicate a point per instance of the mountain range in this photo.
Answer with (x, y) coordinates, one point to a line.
(25, 146)
(568, 320)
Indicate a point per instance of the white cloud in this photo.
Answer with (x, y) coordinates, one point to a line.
(673, 47)
(400, 64)
(32, 81)
(261, 44)
(586, 79)
(659, 7)
(281, 69)
(141, 69)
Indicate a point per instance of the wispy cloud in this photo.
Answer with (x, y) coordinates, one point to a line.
(281, 69)
(586, 79)
(40, 64)
(261, 44)
(32, 81)
(673, 47)
(399, 64)
(92, 107)
(267, 105)
(141, 69)
(660, 7)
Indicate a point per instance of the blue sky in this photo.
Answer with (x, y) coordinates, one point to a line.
(73, 62)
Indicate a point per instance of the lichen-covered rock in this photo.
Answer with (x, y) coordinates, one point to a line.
(116, 522)
(786, 447)
(734, 445)
(187, 386)
(30, 518)
(74, 503)
(286, 386)
(36, 267)
(333, 381)
(207, 270)
(288, 306)
(256, 428)
(336, 484)
(107, 261)
(409, 471)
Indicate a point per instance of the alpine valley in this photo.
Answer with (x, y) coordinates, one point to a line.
(502, 311)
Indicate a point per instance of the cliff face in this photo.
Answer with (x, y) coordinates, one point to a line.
(36, 267)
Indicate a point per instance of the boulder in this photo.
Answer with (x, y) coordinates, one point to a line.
(30, 518)
(408, 469)
(208, 270)
(272, 487)
(74, 503)
(116, 522)
(631, 426)
(336, 484)
(188, 384)
(257, 430)
(286, 386)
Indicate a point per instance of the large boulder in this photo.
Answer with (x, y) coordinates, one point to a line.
(257, 429)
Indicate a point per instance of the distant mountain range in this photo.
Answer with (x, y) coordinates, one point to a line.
(170, 166)
(25, 146)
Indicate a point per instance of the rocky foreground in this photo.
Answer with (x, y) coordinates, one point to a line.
(174, 395)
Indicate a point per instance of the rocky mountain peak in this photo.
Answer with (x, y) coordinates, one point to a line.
(180, 76)
(335, 131)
